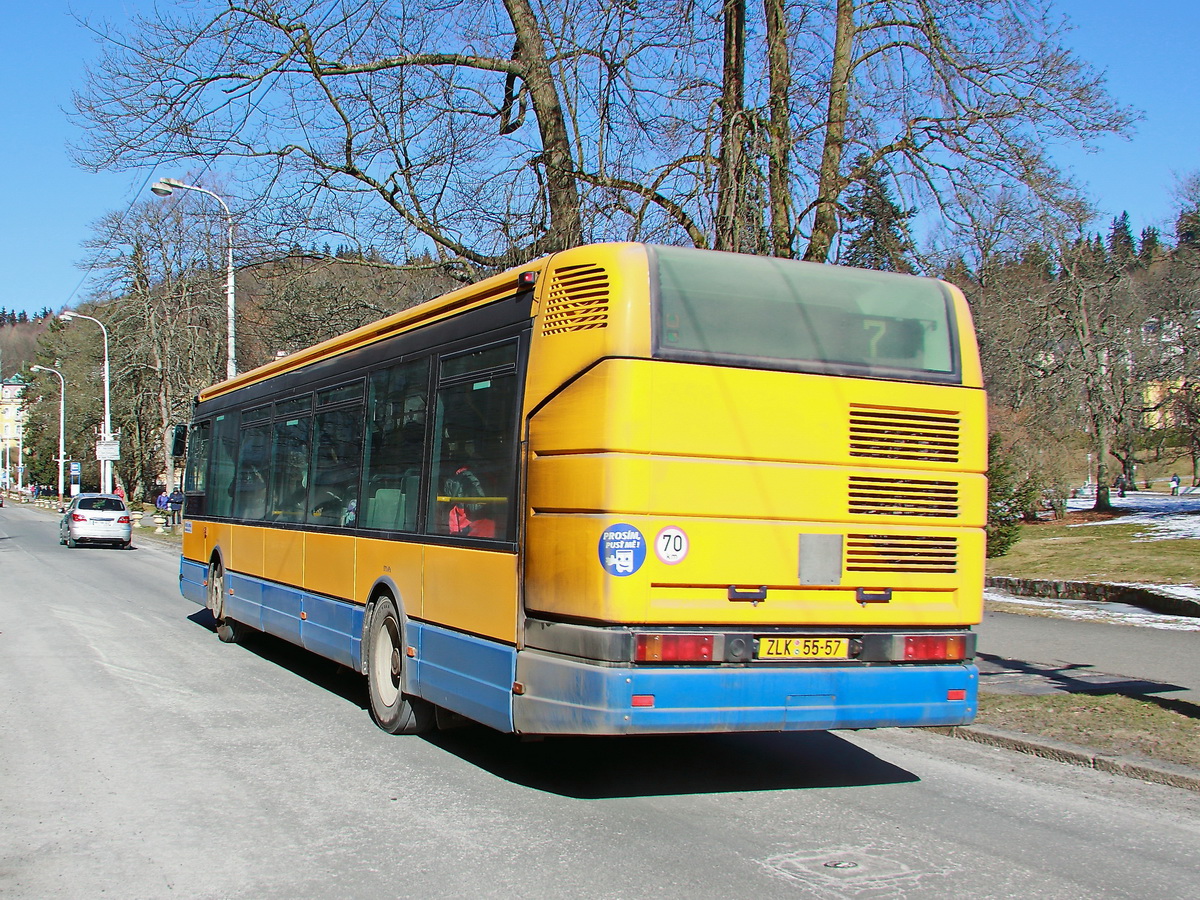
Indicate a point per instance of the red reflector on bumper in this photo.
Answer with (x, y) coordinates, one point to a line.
(956, 695)
(674, 648)
(935, 646)
(642, 700)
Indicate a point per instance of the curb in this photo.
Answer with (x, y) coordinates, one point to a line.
(1154, 772)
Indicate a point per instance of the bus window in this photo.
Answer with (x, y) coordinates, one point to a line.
(726, 308)
(336, 462)
(224, 457)
(474, 466)
(254, 463)
(289, 469)
(197, 458)
(395, 447)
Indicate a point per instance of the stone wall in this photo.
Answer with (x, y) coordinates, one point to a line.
(1144, 596)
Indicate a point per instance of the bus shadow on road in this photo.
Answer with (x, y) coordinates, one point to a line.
(590, 768)
(1011, 676)
(324, 673)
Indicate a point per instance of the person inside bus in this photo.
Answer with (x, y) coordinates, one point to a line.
(466, 519)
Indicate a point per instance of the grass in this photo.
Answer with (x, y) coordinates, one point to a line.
(1151, 728)
(1071, 551)
(1155, 729)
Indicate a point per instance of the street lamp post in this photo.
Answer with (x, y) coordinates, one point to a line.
(106, 467)
(62, 419)
(164, 188)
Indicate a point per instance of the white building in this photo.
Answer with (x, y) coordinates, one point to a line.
(12, 421)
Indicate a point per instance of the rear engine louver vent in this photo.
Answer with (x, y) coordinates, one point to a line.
(901, 553)
(903, 497)
(912, 435)
(578, 300)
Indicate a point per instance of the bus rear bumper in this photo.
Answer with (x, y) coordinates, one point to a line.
(566, 696)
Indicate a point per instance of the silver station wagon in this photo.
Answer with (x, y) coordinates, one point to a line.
(96, 519)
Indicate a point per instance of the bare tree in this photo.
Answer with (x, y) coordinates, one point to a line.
(953, 97)
(487, 131)
(160, 289)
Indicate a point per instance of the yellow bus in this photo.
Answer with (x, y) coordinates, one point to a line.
(622, 489)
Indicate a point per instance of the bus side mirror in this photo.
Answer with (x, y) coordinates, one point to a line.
(179, 441)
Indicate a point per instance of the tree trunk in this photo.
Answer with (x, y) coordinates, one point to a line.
(730, 162)
(1103, 442)
(779, 172)
(830, 184)
(562, 188)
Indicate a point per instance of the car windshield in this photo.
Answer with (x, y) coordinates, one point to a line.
(102, 504)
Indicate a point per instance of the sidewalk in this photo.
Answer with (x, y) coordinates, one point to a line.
(1148, 655)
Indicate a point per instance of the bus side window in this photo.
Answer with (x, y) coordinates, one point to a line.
(196, 472)
(224, 465)
(395, 447)
(336, 462)
(474, 477)
(253, 471)
(289, 469)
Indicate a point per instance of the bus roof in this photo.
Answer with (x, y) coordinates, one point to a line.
(424, 313)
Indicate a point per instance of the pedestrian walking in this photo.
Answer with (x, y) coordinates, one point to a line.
(1174, 485)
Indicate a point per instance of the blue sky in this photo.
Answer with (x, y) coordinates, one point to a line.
(1147, 50)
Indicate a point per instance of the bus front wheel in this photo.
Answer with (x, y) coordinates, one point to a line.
(229, 631)
(393, 710)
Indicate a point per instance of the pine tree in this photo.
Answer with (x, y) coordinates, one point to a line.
(1187, 228)
(1120, 241)
(1150, 247)
(877, 227)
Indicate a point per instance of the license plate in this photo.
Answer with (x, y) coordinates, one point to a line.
(803, 648)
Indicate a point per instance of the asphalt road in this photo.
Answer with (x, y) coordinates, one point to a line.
(142, 758)
(1073, 655)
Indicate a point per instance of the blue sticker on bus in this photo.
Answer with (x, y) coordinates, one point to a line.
(622, 550)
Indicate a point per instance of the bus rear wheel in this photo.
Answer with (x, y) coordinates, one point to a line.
(393, 710)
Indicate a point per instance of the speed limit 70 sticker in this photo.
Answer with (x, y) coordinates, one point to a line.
(671, 545)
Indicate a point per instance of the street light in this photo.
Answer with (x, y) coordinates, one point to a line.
(62, 419)
(164, 188)
(106, 478)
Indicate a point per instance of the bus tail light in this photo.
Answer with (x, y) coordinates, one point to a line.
(674, 648)
(934, 646)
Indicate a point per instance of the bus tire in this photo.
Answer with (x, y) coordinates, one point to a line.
(216, 590)
(393, 710)
(231, 632)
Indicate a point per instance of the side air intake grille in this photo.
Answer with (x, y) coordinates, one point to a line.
(901, 553)
(903, 497)
(578, 300)
(913, 435)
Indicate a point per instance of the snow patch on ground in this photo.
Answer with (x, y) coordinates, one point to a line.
(1091, 611)
(1165, 517)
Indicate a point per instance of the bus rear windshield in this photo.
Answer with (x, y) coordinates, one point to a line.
(767, 313)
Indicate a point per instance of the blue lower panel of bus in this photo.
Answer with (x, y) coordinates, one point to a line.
(470, 675)
(564, 696)
(192, 576)
(332, 628)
